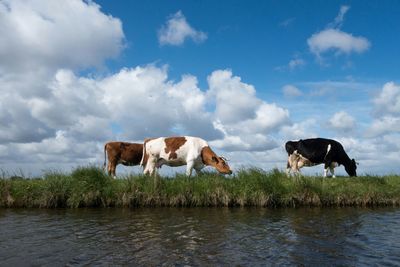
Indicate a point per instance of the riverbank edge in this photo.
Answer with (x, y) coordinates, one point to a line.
(91, 187)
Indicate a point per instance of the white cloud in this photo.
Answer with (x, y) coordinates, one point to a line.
(384, 125)
(78, 96)
(236, 141)
(342, 121)
(234, 100)
(66, 34)
(145, 103)
(269, 118)
(291, 91)
(39, 38)
(387, 111)
(177, 29)
(336, 40)
(388, 101)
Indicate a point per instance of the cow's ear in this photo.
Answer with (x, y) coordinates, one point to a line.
(214, 159)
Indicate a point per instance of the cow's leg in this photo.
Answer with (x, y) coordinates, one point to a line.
(150, 168)
(189, 167)
(292, 165)
(288, 168)
(332, 169)
(113, 168)
(327, 166)
(328, 163)
(297, 164)
(109, 168)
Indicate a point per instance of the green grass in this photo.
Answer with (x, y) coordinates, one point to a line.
(91, 187)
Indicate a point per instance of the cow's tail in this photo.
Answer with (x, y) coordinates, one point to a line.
(105, 156)
(143, 161)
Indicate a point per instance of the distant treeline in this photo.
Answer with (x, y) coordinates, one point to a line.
(91, 187)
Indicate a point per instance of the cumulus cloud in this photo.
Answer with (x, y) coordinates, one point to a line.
(336, 40)
(268, 118)
(176, 30)
(69, 97)
(40, 38)
(52, 34)
(291, 91)
(234, 141)
(342, 121)
(145, 103)
(386, 111)
(388, 101)
(234, 100)
(384, 125)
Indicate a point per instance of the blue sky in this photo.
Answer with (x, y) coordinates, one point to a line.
(245, 75)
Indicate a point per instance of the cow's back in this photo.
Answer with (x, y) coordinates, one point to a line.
(178, 148)
(183, 148)
(316, 149)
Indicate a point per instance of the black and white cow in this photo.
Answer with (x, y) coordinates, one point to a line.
(310, 152)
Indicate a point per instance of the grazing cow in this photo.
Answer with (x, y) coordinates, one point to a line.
(128, 154)
(311, 152)
(193, 152)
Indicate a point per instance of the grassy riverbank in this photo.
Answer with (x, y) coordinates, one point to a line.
(91, 187)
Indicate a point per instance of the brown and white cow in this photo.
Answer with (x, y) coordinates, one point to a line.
(128, 154)
(193, 152)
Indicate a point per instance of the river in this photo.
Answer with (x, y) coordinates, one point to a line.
(200, 237)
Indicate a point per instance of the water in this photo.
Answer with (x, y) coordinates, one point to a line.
(200, 237)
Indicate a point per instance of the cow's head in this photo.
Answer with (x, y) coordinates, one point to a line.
(351, 168)
(211, 159)
(220, 164)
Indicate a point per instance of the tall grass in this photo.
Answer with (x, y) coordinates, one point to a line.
(91, 187)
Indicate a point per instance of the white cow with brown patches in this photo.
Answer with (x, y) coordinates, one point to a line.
(193, 152)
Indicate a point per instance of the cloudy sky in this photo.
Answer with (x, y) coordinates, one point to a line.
(245, 75)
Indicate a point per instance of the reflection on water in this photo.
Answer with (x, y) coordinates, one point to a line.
(200, 236)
